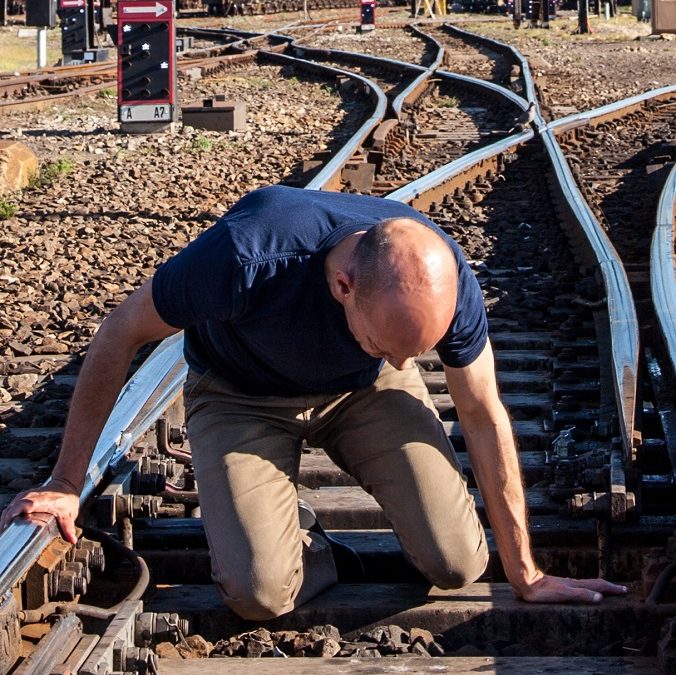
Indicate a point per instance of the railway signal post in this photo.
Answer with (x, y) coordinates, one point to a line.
(146, 65)
(368, 15)
(78, 30)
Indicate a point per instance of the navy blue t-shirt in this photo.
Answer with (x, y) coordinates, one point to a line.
(255, 304)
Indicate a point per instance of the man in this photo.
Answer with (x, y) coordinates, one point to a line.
(301, 313)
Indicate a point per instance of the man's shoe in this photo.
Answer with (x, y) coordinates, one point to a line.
(349, 567)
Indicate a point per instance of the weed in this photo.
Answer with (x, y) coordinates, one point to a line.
(259, 82)
(50, 171)
(230, 145)
(449, 102)
(106, 94)
(546, 42)
(329, 89)
(202, 144)
(7, 208)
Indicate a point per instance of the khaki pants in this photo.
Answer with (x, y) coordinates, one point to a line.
(246, 453)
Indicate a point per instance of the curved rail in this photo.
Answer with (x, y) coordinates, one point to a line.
(155, 384)
(418, 83)
(624, 333)
(330, 173)
(612, 110)
(621, 310)
(422, 192)
(410, 93)
(663, 268)
(516, 57)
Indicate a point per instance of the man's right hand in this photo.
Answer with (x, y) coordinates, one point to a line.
(57, 498)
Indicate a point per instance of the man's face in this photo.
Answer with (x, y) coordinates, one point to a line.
(392, 328)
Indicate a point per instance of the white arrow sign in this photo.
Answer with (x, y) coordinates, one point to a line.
(72, 3)
(157, 9)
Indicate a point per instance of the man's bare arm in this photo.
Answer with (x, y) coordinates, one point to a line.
(131, 325)
(492, 451)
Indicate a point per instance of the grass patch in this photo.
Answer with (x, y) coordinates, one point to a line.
(230, 145)
(258, 82)
(202, 144)
(449, 102)
(20, 53)
(7, 208)
(50, 171)
(107, 94)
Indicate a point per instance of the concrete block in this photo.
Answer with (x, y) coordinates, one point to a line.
(17, 164)
(216, 114)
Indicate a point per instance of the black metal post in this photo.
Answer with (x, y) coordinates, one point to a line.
(583, 17)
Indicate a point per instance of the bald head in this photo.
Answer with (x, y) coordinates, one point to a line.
(403, 257)
(398, 287)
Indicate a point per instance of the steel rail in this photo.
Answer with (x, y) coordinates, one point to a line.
(621, 309)
(375, 62)
(321, 53)
(424, 74)
(490, 87)
(663, 268)
(624, 333)
(414, 90)
(417, 193)
(156, 383)
(330, 173)
(516, 56)
(612, 110)
(41, 101)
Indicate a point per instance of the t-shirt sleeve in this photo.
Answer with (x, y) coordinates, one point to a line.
(466, 336)
(198, 283)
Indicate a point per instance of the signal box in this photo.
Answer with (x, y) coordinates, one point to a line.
(41, 13)
(368, 14)
(74, 29)
(146, 73)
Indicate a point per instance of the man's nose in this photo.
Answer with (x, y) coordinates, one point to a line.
(399, 364)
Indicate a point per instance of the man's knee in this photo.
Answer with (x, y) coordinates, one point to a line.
(259, 598)
(461, 564)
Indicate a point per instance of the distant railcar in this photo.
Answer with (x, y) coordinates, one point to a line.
(232, 7)
(478, 6)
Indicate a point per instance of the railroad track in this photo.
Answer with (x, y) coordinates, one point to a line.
(529, 240)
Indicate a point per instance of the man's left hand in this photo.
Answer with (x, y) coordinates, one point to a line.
(559, 589)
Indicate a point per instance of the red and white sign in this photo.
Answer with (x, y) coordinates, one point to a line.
(138, 10)
(71, 4)
(146, 60)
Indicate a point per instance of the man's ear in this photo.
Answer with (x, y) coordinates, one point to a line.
(343, 285)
